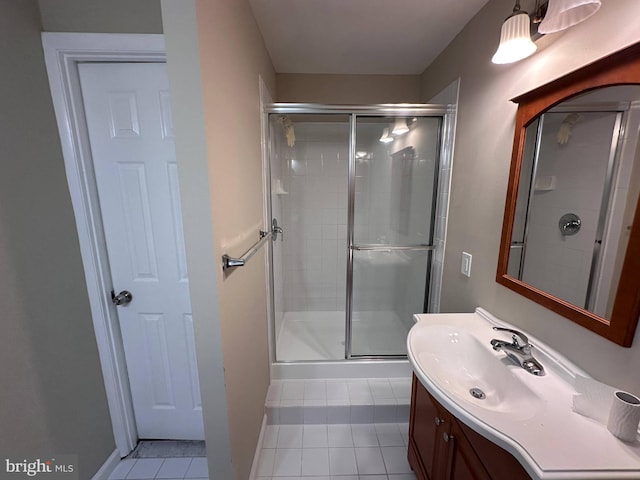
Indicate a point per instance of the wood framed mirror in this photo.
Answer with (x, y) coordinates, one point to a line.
(571, 230)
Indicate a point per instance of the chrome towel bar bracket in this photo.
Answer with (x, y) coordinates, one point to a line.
(231, 262)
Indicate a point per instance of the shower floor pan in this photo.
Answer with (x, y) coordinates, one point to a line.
(316, 336)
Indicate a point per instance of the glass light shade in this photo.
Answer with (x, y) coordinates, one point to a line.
(563, 14)
(515, 39)
(386, 138)
(400, 127)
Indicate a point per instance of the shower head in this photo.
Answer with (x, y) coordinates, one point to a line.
(564, 132)
(289, 132)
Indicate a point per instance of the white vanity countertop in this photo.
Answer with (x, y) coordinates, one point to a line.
(550, 440)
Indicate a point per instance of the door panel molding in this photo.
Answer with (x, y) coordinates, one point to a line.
(63, 52)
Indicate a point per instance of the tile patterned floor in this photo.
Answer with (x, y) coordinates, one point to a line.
(193, 468)
(335, 452)
(358, 431)
(301, 452)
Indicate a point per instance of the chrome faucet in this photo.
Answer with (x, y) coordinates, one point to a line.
(519, 350)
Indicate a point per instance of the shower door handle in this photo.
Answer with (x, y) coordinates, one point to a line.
(275, 230)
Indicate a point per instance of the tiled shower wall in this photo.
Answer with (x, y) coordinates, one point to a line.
(314, 175)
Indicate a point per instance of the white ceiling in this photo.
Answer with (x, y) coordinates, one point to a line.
(359, 36)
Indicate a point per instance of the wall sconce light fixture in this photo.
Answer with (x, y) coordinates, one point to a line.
(563, 14)
(400, 127)
(515, 38)
(386, 138)
(549, 17)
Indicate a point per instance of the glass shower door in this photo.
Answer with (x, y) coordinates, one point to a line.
(393, 190)
(309, 157)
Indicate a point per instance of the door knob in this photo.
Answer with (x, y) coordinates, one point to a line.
(122, 298)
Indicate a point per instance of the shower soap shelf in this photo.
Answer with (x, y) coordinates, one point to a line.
(545, 184)
(278, 189)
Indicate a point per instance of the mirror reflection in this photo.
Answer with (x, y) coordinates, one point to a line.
(577, 193)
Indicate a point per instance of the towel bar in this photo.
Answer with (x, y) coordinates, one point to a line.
(231, 262)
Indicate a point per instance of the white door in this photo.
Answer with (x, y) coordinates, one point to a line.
(130, 130)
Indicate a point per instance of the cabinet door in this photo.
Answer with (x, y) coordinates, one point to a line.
(442, 448)
(462, 461)
(499, 463)
(427, 425)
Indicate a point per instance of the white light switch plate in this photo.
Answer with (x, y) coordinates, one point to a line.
(465, 267)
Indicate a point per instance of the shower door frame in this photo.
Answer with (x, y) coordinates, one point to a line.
(445, 113)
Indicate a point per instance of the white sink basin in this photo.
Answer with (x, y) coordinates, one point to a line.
(528, 415)
(454, 358)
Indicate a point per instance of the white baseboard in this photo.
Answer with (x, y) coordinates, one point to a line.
(256, 456)
(109, 466)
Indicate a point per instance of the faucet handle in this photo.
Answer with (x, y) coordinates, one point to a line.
(516, 335)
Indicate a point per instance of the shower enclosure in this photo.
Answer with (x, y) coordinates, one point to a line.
(355, 191)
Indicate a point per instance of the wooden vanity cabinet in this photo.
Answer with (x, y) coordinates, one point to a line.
(442, 448)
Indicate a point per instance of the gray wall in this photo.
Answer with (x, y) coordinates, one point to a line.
(348, 89)
(484, 136)
(101, 16)
(53, 399)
